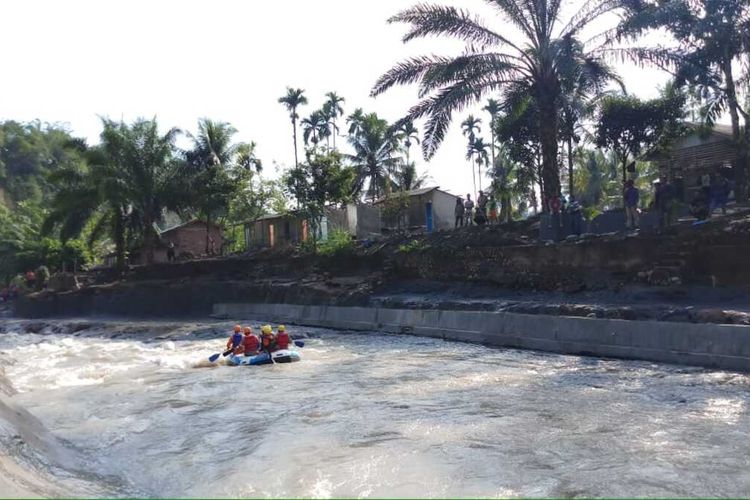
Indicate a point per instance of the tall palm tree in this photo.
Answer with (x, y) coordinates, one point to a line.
(315, 128)
(293, 99)
(332, 108)
(407, 132)
(213, 152)
(470, 127)
(478, 151)
(247, 157)
(355, 121)
(492, 60)
(493, 108)
(374, 158)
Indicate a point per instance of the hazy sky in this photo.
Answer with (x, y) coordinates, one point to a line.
(73, 60)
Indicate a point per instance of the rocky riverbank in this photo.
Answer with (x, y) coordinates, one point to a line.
(689, 274)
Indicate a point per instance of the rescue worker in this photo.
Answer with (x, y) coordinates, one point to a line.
(250, 343)
(282, 338)
(236, 339)
(267, 339)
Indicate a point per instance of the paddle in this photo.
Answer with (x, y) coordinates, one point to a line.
(299, 343)
(214, 357)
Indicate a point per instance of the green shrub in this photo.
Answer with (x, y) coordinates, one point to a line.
(339, 242)
(413, 246)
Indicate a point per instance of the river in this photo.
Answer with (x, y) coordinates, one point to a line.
(138, 411)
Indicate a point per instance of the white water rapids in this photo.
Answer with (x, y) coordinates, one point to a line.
(144, 414)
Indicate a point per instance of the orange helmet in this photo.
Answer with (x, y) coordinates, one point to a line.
(247, 330)
(237, 328)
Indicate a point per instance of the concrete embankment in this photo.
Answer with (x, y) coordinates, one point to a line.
(708, 345)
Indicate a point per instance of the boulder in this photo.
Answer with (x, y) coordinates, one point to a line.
(63, 282)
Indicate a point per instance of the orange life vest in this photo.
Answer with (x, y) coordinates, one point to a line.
(282, 340)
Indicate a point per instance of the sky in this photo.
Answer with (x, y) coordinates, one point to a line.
(74, 61)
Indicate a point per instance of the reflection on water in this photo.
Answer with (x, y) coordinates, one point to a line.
(384, 416)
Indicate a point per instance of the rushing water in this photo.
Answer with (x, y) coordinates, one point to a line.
(375, 415)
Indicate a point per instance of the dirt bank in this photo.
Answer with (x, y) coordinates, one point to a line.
(691, 274)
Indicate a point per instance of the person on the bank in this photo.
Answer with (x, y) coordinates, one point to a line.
(631, 196)
(282, 338)
(468, 210)
(267, 339)
(236, 339)
(459, 212)
(170, 252)
(493, 209)
(576, 216)
(664, 201)
(719, 190)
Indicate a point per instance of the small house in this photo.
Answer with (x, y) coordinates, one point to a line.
(412, 208)
(189, 241)
(689, 158)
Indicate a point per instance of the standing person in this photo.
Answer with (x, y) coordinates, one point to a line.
(664, 201)
(576, 216)
(482, 201)
(719, 190)
(493, 209)
(170, 252)
(631, 196)
(468, 209)
(459, 212)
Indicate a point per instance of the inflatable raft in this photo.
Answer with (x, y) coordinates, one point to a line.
(281, 356)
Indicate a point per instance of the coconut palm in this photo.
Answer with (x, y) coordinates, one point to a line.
(493, 108)
(247, 157)
(332, 109)
(478, 152)
(406, 178)
(407, 132)
(213, 152)
(355, 121)
(315, 128)
(470, 127)
(493, 59)
(374, 158)
(293, 99)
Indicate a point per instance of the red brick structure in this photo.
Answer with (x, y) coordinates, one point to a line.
(189, 241)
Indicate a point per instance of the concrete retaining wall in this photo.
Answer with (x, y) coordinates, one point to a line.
(709, 345)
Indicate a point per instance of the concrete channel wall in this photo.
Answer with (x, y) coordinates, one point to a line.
(709, 345)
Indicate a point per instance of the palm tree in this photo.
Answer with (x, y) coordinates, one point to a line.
(332, 109)
(478, 151)
(470, 127)
(314, 128)
(247, 158)
(355, 121)
(406, 178)
(213, 152)
(493, 108)
(134, 177)
(407, 132)
(374, 155)
(493, 60)
(293, 99)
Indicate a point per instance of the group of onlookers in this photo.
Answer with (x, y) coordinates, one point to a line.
(483, 212)
(713, 193)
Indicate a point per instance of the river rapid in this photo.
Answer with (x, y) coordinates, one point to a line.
(135, 409)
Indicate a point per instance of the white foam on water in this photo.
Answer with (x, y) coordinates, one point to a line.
(367, 415)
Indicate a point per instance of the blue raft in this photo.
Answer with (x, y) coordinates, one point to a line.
(282, 356)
